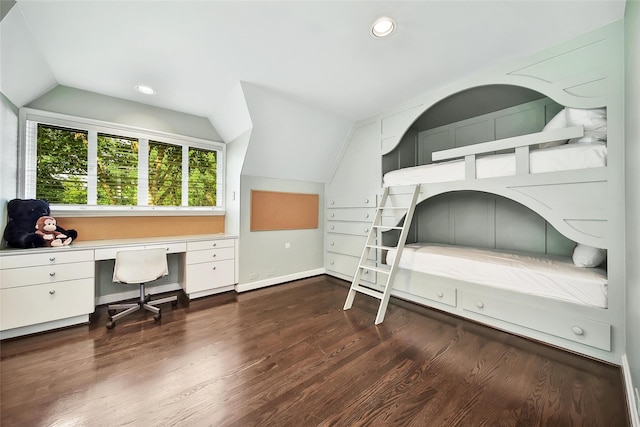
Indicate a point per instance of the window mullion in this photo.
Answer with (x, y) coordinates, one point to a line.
(143, 172)
(92, 168)
(185, 175)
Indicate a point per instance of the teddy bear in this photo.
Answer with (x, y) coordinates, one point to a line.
(20, 231)
(47, 227)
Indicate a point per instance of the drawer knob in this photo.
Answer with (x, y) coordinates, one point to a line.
(366, 215)
(331, 262)
(366, 230)
(332, 214)
(333, 202)
(53, 273)
(440, 294)
(332, 243)
(215, 244)
(332, 227)
(214, 255)
(52, 258)
(366, 200)
(366, 271)
(479, 304)
(214, 268)
(577, 330)
(52, 291)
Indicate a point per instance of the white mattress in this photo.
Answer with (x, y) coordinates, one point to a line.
(541, 275)
(559, 158)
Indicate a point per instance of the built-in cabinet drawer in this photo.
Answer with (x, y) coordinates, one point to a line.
(27, 276)
(210, 267)
(347, 265)
(51, 258)
(585, 331)
(343, 227)
(30, 305)
(209, 275)
(351, 214)
(345, 244)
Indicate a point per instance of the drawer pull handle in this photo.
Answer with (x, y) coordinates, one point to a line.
(52, 259)
(215, 244)
(332, 214)
(479, 304)
(214, 255)
(332, 227)
(440, 294)
(333, 202)
(366, 271)
(53, 273)
(332, 243)
(366, 230)
(214, 268)
(52, 291)
(366, 200)
(331, 262)
(577, 330)
(366, 215)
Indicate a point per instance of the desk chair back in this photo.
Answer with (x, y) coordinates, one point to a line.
(140, 266)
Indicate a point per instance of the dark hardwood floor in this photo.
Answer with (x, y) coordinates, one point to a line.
(289, 356)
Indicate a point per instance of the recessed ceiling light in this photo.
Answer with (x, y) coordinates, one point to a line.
(383, 27)
(147, 90)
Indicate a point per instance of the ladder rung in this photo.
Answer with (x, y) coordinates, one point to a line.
(378, 269)
(367, 291)
(387, 226)
(386, 248)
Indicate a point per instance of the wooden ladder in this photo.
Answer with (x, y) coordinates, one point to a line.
(373, 243)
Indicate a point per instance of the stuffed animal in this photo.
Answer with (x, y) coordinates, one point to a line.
(23, 214)
(47, 227)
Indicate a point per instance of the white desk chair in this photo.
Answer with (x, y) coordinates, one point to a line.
(139, 267)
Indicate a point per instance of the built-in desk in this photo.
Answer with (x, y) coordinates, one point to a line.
(47, 288)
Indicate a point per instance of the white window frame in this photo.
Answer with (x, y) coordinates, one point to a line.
(27, 155)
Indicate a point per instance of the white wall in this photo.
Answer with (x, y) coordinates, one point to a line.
(236, 152)
(632, 137)
(8, 148)
(290, 139)
(263, 253)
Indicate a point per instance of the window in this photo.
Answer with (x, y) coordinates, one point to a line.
(90, 166)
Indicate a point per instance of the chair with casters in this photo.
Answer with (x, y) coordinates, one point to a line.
(139, 267)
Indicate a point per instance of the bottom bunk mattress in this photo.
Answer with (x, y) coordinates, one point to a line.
(540, 275)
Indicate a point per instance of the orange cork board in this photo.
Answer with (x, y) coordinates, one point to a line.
(272, 210)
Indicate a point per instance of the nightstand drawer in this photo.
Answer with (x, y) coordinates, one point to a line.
(15, 277)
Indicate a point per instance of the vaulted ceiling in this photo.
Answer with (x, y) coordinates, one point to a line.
(319, 53)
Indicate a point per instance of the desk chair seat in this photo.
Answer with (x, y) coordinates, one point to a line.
(139, 267)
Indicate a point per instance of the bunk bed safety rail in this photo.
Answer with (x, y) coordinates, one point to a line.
(521, 144)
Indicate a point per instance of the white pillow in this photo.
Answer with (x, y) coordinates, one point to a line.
(594, 121)
(587, 256)
(558, 121)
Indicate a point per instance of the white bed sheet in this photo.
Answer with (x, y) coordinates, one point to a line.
(541, 275)
(559, 158)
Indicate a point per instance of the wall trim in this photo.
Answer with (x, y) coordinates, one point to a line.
(631, 400)
(243, 287)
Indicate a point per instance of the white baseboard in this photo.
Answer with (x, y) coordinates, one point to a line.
(631, 397)
(135, 293)
(243, 287)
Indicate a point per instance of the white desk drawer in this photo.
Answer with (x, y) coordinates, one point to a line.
(110, 253)
(210, 244)
(50, 258)
(15, 277)
(209, 275)
(30, 305)
(196, 257)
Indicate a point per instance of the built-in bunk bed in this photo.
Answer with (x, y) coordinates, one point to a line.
(510, 231)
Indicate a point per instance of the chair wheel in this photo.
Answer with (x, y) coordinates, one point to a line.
(157, 317)
(112, 312)
(111, 324)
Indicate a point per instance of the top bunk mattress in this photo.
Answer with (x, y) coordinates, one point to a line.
(540, 275)
(560, 158)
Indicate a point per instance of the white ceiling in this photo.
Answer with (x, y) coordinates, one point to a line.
(319, 53)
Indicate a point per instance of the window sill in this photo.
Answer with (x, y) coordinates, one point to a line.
(111, 211)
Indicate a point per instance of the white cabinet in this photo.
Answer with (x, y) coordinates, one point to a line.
(45, 290)
(210, 267)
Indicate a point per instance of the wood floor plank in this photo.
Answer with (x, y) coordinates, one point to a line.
(289, 355)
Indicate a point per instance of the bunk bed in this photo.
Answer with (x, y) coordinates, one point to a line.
(558, 173)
